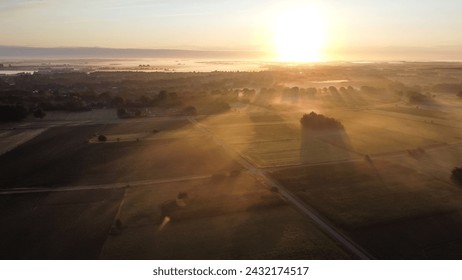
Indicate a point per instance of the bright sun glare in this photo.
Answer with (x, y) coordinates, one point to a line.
(300, 35)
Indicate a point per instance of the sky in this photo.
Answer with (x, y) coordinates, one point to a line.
(341, 27)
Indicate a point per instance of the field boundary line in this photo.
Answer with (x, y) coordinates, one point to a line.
(102, 186)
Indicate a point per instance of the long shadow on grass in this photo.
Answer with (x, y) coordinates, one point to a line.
(52, 158)
(324, 145)
(62, 156)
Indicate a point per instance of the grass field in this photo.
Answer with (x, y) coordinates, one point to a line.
(276, 139)
(62, 156)
(58, 225)
(385, 201)
(10, 139)
(235, 218)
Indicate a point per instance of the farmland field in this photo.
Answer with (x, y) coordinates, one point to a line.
(344, 161)
(219, 221)
(56, 225)
(368, 200)
(61, 156)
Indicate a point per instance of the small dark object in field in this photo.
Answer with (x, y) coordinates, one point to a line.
(102, 138)
(182, 195)
(39, 113)
(154, 131)
(274, 189)
(189, 111)
(168, 208)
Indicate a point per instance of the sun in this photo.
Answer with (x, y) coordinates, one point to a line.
(300, 35)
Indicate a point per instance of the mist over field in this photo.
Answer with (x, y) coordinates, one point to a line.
(225, 130)
(371, 149)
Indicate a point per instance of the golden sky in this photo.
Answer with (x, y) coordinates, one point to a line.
(291, 29)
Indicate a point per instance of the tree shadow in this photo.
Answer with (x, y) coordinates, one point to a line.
(324, 145)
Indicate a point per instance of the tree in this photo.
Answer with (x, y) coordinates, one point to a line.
(190, 111)
(182, 195)
(102, 138)
(122, 113)
(39, 113)
(118, 102)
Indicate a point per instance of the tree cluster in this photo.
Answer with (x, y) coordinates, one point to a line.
(418, 98)
(320, 122)
(189, 111)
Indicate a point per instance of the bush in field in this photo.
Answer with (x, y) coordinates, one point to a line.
(168, 208)
(456, 175)
(102, 138)
(320, 122)
(182, 195)
(39, 113)
(189, 111)
(217, 107)
(122, 113)
(417, 97)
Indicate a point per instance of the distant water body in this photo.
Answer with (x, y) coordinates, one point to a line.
(14, 72)
(132, 65)
(181, 65)
(140, 65)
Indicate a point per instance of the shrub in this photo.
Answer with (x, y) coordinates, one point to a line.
(122, 113)
(102, 138)
(39, 113)
(189, 111)
(182, 195)
(417, 97)
(168, 208)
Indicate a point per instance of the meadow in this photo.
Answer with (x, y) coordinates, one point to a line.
(219, 220)
(382, 205)
(213, 165)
